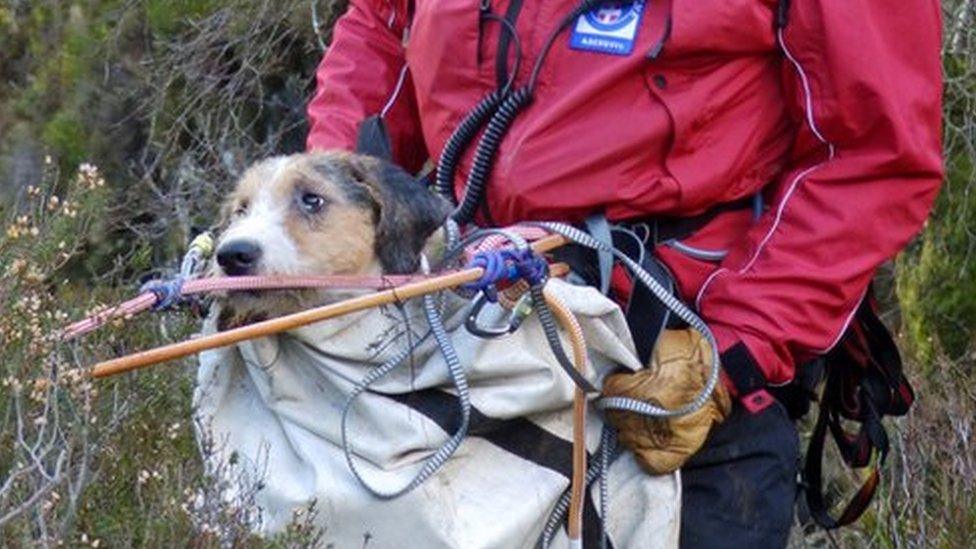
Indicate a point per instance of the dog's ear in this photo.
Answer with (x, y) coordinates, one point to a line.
(407, 212)
(373, 139)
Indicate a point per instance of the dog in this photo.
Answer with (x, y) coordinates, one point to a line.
(270, 411)
(320, 213)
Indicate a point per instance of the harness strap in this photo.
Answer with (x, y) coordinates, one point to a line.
(646, 315)
(599, 228)
(864, 383)
(665, 228)
(747, 380)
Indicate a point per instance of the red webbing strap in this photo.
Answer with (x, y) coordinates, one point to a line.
(865, 382)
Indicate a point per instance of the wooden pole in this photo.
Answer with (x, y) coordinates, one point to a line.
(290, 322)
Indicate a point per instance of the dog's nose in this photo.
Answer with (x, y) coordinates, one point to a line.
(238, 257)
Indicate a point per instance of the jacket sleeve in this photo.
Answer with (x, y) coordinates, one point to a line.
(364, 73)
(864, 81)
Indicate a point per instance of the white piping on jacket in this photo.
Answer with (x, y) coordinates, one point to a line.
(843, 328)
(831, 153)
(396, 92)
(392, 18)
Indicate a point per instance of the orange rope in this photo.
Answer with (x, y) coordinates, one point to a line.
(569, 323)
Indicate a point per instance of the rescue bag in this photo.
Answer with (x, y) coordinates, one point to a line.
(270, 424)
(864, 383)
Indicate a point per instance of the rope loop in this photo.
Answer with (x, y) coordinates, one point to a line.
(168, 293)
(532, 268)
(506, 266)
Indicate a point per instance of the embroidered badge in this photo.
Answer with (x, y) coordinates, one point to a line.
(610, 28)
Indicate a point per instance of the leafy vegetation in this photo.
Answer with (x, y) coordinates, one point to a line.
(171, 100)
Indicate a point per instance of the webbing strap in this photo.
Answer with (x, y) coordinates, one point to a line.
(742, 370)
(749, 383)
(599, 228)
(646, 316)
(864, 383)
(871, 430)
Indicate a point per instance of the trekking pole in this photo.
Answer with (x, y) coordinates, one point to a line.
(285, 323)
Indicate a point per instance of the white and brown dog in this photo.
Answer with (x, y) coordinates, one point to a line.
(271, 412)
(321, 213)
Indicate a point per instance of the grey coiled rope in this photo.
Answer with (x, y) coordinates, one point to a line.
(459, 379)
(681, 310)
(460, 382)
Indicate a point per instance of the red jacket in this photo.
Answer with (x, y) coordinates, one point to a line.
(839, 125)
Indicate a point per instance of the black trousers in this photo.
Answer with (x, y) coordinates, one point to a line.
(740, 489)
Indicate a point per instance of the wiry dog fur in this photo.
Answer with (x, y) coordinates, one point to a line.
(373, 218)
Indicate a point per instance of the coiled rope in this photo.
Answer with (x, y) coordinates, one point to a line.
(460, 382)
(681, 310)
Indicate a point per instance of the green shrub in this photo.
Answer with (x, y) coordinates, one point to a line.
(938, 273)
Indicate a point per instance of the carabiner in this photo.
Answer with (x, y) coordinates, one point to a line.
(521, 310)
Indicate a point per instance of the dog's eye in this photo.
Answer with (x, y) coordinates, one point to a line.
(240, 210)
(312, 203)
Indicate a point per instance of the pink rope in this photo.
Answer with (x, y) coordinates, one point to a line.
(496, 241)
(126, 309)
(146, 300)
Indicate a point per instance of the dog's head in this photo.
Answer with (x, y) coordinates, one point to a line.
(326, 213)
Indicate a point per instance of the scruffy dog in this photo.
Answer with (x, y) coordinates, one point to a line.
(321, 213)
(274, 418)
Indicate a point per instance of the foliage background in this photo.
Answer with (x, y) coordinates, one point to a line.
(170, 99)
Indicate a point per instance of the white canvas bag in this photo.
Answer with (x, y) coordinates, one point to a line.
(270, 410)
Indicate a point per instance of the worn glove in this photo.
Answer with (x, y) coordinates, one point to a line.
(678, 371)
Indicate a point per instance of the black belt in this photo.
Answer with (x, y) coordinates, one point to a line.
(665, 228)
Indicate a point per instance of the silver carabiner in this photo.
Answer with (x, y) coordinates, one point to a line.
(521, 310)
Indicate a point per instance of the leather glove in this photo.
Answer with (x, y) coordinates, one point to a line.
(678, 371)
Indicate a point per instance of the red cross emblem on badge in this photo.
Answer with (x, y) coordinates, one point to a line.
(609, 15)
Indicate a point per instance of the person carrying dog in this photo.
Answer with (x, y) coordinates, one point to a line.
(771, 154)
